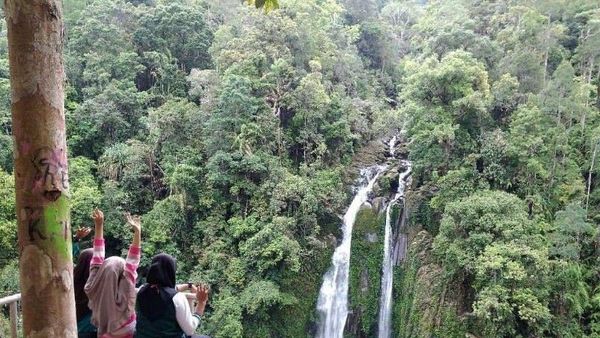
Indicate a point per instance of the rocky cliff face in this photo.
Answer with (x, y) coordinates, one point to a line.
(366, 262)
(425, 303)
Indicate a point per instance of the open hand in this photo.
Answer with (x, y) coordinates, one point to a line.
(98, 217)
(202, 293)
(134, 221)
(82, 232)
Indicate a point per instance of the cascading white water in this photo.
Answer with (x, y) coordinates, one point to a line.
(333, 297)
(392, 144)
(387, 278)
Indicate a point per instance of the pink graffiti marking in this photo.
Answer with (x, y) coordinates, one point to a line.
(25, 148)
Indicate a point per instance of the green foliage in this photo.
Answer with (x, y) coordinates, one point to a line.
(365, 264)
(227, 316)
(85, 194)
(524, 261)
(572, 233)
(488, 238)
(270, 247)
(9, 278)
(447, 101)
(164, 227)
(231, 130)
(176, 30)
(266, 4)
(8, 219)
(9, 285)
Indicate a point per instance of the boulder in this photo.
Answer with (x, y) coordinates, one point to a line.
(379, 204)
(366, 205)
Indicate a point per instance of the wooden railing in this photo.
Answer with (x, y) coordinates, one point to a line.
(12, 302)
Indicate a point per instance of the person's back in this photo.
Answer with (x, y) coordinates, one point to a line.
(111, 285)
(81, 272)
(162, 312)
(162, 325)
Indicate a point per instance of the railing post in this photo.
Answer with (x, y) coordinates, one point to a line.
(13, 319)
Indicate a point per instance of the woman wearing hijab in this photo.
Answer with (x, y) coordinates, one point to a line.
(85, 329)
(163, 312)
(111, 284)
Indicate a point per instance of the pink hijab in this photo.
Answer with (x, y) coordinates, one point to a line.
(112, 297)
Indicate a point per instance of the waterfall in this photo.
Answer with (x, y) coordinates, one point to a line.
(392, 145)
(387, 278)
(333, 296)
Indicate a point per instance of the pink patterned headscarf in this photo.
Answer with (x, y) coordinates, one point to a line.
(111, 298)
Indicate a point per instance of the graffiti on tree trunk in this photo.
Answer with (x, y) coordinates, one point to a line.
(32, 217)
(47, 184)
(51, 179)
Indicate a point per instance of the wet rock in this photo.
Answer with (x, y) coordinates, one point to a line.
(372, 237)
(379, 204)
(364, 281)
(331, 240)
(366, 206)
(352, 322)
(392, 173)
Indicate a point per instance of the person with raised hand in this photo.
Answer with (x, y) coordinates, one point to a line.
(162, 311)
(80, 234)
(111, 283)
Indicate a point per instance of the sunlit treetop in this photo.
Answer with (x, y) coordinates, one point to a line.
(266, 4)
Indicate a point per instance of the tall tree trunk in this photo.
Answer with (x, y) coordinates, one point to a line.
(35, 45)
(587, 101)
(589, 183)
(545, 68)
(584, 115)
(546, 52)
(598, 88)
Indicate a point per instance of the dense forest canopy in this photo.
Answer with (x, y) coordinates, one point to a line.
(237, 134)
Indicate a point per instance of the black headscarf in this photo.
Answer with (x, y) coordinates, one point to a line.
(81, 272)
(155, 297)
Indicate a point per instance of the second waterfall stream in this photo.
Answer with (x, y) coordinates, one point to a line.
(332, 304)
(387, 278)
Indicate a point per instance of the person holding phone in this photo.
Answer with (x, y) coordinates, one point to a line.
(162, 311)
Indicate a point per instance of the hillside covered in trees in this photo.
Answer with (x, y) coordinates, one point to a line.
(238, 134)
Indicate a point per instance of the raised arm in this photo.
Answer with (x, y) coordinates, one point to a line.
(136, 225)
(135, 251)
(98, 255)
(187, 320)
(98, 217)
